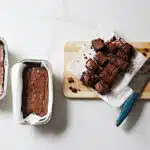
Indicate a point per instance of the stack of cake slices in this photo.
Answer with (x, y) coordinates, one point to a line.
(111, 57)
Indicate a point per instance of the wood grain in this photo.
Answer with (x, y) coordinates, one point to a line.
(71, 49)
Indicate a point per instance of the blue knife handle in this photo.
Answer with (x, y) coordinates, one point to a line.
(126, 108)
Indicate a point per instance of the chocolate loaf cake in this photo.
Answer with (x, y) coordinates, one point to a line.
(2, 69)
(35, 90)
(111, 57)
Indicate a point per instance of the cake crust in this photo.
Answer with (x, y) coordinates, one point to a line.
(35, 90)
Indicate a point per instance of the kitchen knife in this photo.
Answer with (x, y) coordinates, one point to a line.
(137, 84)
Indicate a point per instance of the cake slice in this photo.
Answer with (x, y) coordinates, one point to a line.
(98, 44)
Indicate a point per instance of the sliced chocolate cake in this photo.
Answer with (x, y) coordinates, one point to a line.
(111, 57)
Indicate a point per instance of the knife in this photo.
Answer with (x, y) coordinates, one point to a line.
(138, 83)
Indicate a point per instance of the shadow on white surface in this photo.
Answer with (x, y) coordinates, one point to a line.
(6, 103)
(58, 123)
(134, 116)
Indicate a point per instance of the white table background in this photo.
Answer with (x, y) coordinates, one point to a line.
(39, 29)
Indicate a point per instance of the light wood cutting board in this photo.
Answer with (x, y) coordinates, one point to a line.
(71, 49)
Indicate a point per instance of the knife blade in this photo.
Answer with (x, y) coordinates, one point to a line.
(138, 83)
(141, 78)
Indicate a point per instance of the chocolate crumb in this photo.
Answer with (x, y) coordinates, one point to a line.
(70, 87)
(144, 54)
(83, 54)
(91, 47)
(146, 49)
(79, 90)
(74, 90)
(85, 57)
(89, 53)
(70, 80)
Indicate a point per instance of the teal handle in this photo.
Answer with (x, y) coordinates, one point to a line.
(126, 108)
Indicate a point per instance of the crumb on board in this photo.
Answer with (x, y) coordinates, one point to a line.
(146, 49)
(144, 54)
(70, 80)
(70, 87)
(85, 57)
(74, 90)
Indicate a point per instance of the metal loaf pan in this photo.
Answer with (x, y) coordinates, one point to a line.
(17, 89)
(5, 78)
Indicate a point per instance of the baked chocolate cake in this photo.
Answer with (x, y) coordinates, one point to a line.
(102, 87)
(111, 57)
(89, 79)
(93, 67)
(101, 59)
(112, 47)
(98, 44)
(2, 69)
(35, 90)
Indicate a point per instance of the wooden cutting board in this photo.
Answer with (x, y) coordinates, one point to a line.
(71, 49)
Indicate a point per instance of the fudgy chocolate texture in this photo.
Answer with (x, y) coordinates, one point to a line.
(100, 58)
(89, 79)
(2, 69)
(35, 90)
(102, 87)
(110, 58)
(98, 44)
(70, 80)
(112, 47)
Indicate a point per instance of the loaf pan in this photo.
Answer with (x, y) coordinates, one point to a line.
(3, 45)
(17, 91)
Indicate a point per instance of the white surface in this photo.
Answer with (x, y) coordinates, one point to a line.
(39, 28)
